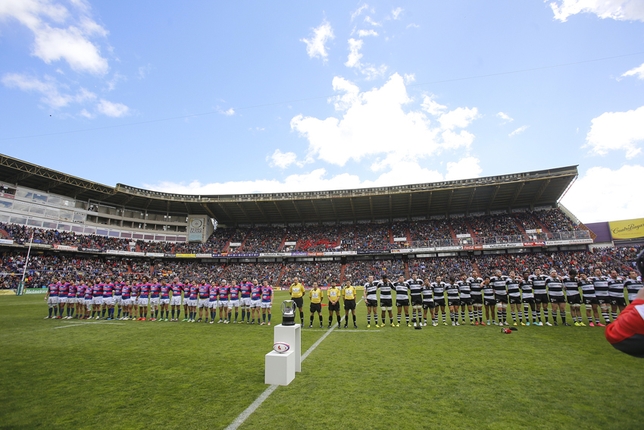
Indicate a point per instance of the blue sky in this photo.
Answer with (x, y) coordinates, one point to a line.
(210, 97)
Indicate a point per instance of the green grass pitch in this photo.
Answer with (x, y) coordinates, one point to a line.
(142, 375)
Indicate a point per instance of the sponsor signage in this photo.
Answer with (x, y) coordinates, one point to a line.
(185, 255)
(400, 239)
(472, 247)
(196, 228)
(449, 248)
(155, 254)
(65, 247)
(290, 243)
(463, 235)
(401, 251)
(89, 249)
(627, 229)
(567, 242)
(533, 244)
(6, 242)
(121, 252)
(7, 293)
(35, 290)
(204, 255)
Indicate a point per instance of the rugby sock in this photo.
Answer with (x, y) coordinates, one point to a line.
(118, 315)
(375, 319)
(521, 316)
(339, 319)
(534, 316)
(243, 314)
(563, 317)
(463, 316)
(264, 317)
(605, 316)
(330, 319)
(399, 317)
(311, 322)
(93, 314)
(545, 315)
(302, 316)
(354, 319)
(471, 316)
(269, 317)
(444, 316)
(51, 310)
(103, 313)
(368, 318)
(172, 313)
(407, 318)
(514, 316)
(554, 316)
(613, 315)
(320, 315)
(236, 315)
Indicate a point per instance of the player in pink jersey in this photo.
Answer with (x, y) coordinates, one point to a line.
(245, 290)
(165, 300)
(267, 302)
(52, 298)
(224, 295)
(155, 300)
(233, 302)
(144, 298)
(255, 300)
(175, 301)
(203, 299)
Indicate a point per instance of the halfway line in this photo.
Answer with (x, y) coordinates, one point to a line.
(258, 402)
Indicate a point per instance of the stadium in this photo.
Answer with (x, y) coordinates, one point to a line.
(125, 374)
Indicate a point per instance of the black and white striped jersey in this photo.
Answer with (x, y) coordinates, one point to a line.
(428, 294)
(476, 286)
(371, 290)
(513, 287)
(587, 289)
(464, 289)
(452, 291)
(616, 287)
(402, 290)
(601, 286)
(633, 286)
(385, 290)
(439, 290)
(555, 286)
(415, 290)
(539, 284)
(571, 285)
(526, 289)
(499, 284)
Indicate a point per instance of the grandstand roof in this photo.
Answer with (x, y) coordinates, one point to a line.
(416, 201)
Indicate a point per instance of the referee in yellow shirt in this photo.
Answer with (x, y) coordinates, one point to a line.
(316, 295)
(297, 293)
(349, 297)
(333, 293)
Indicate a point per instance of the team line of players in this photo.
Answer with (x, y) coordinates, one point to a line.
(132, 301)
(528, 296)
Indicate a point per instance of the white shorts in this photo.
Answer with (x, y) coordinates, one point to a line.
(71, 300)
(165, 301)
(126, 302)
(203, 303)
(175, 301)
(255, 303)
(192, 303)
(52, 301)
(118, 300)
(245, 301)
(108, 301)
(88, 304)
(62, 300)
(142, 301)
(213, 305)
(97, 300)
(266, 305)
(154, 301)
(233, 304)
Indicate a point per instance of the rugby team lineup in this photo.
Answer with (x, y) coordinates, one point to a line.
(457, 298)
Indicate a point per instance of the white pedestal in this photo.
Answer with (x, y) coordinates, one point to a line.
(279, 368)
(291, 334)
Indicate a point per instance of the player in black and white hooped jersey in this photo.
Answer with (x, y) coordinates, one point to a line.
(489, 301)
(465, 297)
(538, 280)
(500, 285)
(428, 303)
(452, 300)
(438, 286)
(371, 300)
(514, 298)
(590, 299)
(600, 281)
(633, 285)
(616, 294)
(402, 299)
(555, 286)
(476, 290)
(416, 299)
(386, 298)
(571, 286)
(527, 298)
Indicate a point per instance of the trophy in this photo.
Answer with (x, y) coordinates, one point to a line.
(288, 312)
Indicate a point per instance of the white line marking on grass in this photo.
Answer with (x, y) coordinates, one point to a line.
(359, 331)
(85, 323)
(258, 402)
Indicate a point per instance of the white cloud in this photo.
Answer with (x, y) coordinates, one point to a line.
(505, 117)
(353, 60)
(465, 168)
(395, 14)
(359, 11)
(372, 72)
(369, 20)
(227, 112)
(636, 71)
(112, 109)
(409, 78)
(412, 25)
(116, 78)
(374, 124)
(49, 88)
(282, 159)
(432, 107)
(60, 33)
(588, 200)
(365, 33)
(316, 45)
(613, 131)
(518, 131)
(621, 10)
